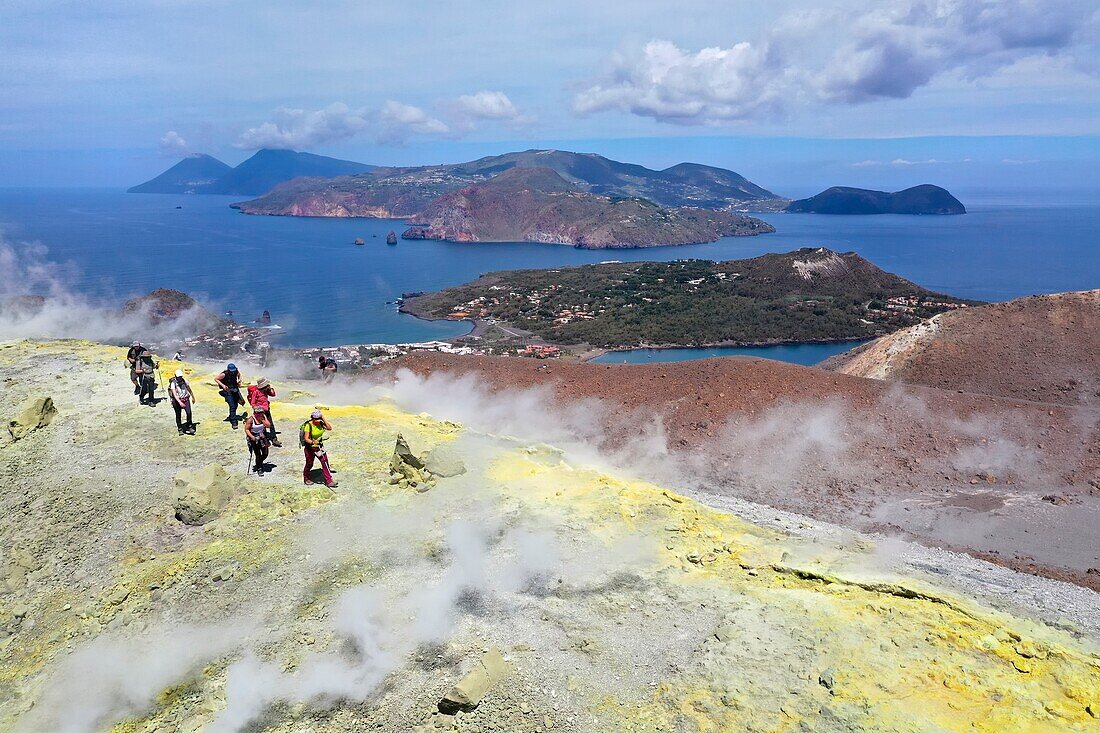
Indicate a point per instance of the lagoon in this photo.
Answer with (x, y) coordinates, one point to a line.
(804, 354)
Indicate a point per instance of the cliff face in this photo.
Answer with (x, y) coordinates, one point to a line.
(538, 205)
(924, 199)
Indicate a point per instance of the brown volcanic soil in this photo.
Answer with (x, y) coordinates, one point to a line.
(954, 469)
(1045, 348)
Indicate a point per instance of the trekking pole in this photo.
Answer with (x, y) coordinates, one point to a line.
(248, 467)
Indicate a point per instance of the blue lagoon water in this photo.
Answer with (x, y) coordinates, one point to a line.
(805, 354)
(324, 290)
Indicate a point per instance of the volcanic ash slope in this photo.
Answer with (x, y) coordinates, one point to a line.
(617, 605)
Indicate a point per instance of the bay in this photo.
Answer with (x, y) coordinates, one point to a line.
(324, 290)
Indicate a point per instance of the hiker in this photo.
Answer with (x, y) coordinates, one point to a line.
(132, 357)
(259, 396)
(330, 369)
(321, 362)
(146, 368)
(179, 391)
(229, 383)
(256, 429)
(312, 436)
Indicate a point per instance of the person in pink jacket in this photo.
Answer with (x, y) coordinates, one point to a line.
(259, 397)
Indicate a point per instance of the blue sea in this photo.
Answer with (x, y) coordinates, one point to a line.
(324, 290)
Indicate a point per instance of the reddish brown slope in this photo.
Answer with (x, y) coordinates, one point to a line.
(955, 469)
(1044, 348)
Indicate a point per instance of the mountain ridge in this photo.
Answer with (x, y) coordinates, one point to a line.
(539, 205)
(405, 192)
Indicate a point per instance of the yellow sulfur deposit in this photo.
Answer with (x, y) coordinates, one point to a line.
(643, 610)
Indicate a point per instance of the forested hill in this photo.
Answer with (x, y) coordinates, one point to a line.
(805, 295)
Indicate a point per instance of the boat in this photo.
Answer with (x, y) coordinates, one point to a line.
(360, 241)
(391, 238)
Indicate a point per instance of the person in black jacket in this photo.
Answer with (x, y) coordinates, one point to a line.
(229, 383)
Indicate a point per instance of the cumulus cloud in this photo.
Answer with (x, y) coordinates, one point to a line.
(887, 52)
(399, 121)
(172, 145)
(488, 106)
(296, 129)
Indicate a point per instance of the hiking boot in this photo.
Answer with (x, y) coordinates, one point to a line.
(137, 390)
(234, 424)
(181, 431)
(333, 484)
(307, 482)
(275, 442)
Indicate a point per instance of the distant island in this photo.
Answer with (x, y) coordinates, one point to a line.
(801, 296)
(538, 205)
(203, 174)
(402, 193)
(193, 174)
(923, 199)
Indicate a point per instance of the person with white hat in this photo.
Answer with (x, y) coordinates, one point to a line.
(182, 397)
(259, 397)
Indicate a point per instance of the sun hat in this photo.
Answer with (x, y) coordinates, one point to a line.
(263, 383)
(179, 372)
(315, 415)
(136, 343)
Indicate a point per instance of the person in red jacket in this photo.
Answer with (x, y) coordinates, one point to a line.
(259, 397)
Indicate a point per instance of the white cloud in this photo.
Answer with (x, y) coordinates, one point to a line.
(398, 121)
(297, 129)
(903, 162)
(488, 106)
(172, 145)
(889, 51)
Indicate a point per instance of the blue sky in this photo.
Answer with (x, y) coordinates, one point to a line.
(795, 93)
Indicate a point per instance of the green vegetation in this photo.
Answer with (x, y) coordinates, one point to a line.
(807, 295)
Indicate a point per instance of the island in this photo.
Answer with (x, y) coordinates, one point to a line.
(193, 174)
(267, 168)
(401, 193)
(923, 199)
(538, 205)
(806, 295)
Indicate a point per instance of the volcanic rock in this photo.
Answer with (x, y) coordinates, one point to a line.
(36, 412)
(200, 496)
(444, 462)
(406, 468)
(469, 691)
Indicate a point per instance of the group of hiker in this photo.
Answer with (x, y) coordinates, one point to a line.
(260, 433)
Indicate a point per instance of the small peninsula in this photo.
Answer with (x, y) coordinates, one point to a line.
(538, 205)
(800, 296)
(923, 199)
